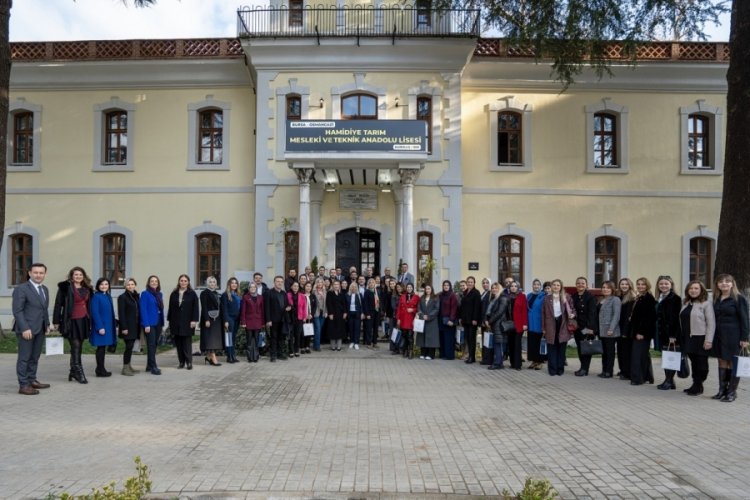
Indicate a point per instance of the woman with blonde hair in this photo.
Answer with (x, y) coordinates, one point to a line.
(211, 322)
(556, 311)
(668, 325)
(698, 324)
(230, 309)
(626, 292)
(642, 328)
(732, 327)
(608, 326)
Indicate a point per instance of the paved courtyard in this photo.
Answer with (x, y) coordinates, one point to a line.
(365, 424)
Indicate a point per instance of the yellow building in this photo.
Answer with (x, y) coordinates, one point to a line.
(360, 135)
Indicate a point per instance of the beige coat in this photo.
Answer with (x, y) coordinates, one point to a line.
(702, 320)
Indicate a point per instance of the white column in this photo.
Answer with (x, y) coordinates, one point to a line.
(316, 201)
(408, 178)
(398, 198)
(304, 175)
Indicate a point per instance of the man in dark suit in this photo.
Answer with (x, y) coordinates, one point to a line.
(470, 314)
(31, 315)
(276, 308)
(404, 276)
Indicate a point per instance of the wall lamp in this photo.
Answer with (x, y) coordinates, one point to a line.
(385, 187)
(322, 101)
(330, 188)
(397, 103)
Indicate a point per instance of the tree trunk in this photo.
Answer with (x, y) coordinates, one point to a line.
(5, 6)
(734, 226)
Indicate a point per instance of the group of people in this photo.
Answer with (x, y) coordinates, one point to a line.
(298, 313)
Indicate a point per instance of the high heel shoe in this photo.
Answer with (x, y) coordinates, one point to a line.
(211, 362)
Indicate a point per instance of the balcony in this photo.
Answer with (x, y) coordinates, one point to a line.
(357, 21)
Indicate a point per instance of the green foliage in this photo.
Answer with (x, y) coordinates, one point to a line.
(134, 488)
(574, 33)
(314, 265)
(533, 489)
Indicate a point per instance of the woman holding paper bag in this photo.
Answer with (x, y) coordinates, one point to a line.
(697, 323)
(732, 327)
(667, 325)
(429, 338)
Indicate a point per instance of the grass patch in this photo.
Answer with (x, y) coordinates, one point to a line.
(8, 345)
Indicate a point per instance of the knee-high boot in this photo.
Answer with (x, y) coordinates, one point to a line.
(731, 395)
(724, 375)
(76, 368)
(668, 381)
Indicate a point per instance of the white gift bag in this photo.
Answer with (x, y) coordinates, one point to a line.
(488, 338)
(670, 360)
(741, 365)
(395, 335)
(308, 330)
(53, 346)
(418, 325)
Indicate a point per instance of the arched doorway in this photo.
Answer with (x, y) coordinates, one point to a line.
(358, 247)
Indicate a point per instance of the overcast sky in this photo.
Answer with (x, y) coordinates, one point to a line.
(50, 20)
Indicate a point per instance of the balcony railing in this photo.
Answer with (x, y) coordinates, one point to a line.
(357, 21)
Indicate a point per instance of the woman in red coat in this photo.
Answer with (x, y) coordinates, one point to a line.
(407, 310)
(521, 320)
(252, 320)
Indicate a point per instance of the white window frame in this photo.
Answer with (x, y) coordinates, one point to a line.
(207, 227)
(281, 94)
(359, 86)
(511, 229)
(424, 90)
(622, 257)
(194, 111)
(5, 289)
(510, 103)
(100, 128)
(21, 105)
(622, 136)
(112, 227)
(715, 148)
(700, 232)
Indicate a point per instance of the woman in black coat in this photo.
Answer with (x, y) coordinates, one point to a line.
(183, 317)
(732, 327)
(668, 332)
(212, 322)
(336, 309)
(642, 328)
(587, 319)
(129, 323)
(71, 316)
(470, 313)
(627, 294)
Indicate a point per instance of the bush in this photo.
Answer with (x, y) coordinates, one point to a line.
(533, 489)
(135, 487)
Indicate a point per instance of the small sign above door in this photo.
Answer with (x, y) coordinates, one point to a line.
(358, 199)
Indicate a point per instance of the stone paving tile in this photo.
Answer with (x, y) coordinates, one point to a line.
(367, 425)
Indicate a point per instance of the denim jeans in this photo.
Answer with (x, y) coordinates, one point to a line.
(500, 348)
(318, 322)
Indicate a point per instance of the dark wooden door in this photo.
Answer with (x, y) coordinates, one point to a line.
(359, 249)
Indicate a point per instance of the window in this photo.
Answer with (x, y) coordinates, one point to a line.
(368, 250)
(698, 141)
(210, 136)
(113, 258)
(116, 138)
(21, 257)
(113, 136)
(295, 12)
(293, 107)
(359, 107)
(424, 112)
(23, 138)
(701, 258)
(424, 13)
(208, 257)
(510, 258)
(509, 137)
(291, 251)
(425, 262)
(605, 140)
(606, 257)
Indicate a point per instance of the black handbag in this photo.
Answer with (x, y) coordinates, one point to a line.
(508, 327)
(684, 368)
(591, 346)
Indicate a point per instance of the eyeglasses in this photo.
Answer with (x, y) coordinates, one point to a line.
(664, 277)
